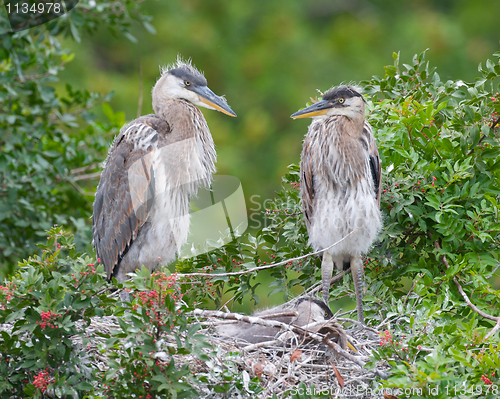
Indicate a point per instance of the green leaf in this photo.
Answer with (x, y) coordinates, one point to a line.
(108, 111)
(66, 58)
(490, 153)
(150, 28)
(433, 202)
(130, 37)
(74, 31)
(474, 135)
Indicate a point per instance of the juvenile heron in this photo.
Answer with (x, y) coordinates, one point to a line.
(141, 208)
(340, 184)
(307, 310)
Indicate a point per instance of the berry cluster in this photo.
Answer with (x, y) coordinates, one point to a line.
(42, 380)
(296, 186)
(48, 319)
(399, 350)
(153, 300)
(385, 338)
(486, 380)
(7, 291)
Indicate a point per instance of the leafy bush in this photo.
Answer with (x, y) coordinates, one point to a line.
(440, 153)
(441, 157)
(51, 144)
(48, 303)
(50, 310)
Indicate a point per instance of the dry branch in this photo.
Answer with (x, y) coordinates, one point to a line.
(359, 360)
(270, 266)
(469, 302)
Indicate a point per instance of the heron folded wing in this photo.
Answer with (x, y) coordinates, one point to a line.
(307, 180)
(123, 199)
(375, 166)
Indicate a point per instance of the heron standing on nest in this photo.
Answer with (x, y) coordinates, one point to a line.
(141, 208)
(340, 184)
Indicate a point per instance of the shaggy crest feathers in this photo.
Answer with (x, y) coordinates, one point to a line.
(350, 90)
(187, 65)
(351, 84)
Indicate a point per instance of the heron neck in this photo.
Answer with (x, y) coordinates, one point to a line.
(180, 115)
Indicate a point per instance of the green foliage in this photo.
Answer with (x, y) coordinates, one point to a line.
(440, 140)
(51, 143)
(51, 302)
(153, 328)
(440, 153)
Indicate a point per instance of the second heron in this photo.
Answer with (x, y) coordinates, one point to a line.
(340, 184)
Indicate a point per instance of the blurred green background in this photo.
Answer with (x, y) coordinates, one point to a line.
(269, 56)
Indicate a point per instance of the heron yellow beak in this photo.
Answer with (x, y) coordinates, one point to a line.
(208, 97)
(317, 109)
(224, 110)
(351, 346)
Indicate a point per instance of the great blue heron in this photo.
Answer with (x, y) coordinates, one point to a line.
(141, 208)
(307, 310)
(340, 184)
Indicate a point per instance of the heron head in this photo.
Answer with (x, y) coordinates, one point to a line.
(342, 100)
(184, 81)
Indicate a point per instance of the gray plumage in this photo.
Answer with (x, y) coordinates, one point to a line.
(141, 208)
(307, 310)
(340, 184)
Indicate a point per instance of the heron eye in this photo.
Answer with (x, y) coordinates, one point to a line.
(187, 83)
(341, 100)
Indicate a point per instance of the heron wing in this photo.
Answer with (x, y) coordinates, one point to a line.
(126, 191)
(375, 166)
(307, 180)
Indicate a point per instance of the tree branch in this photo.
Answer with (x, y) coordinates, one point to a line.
(84, 169)
(492, 126)
(468, 301)
(87, 176)
(359, 360)
(258, 268)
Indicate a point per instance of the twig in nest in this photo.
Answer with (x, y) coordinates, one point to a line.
(359, 360)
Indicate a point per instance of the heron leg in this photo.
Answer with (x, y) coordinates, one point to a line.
(326, 275)
(357, 275)
(125, 297)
